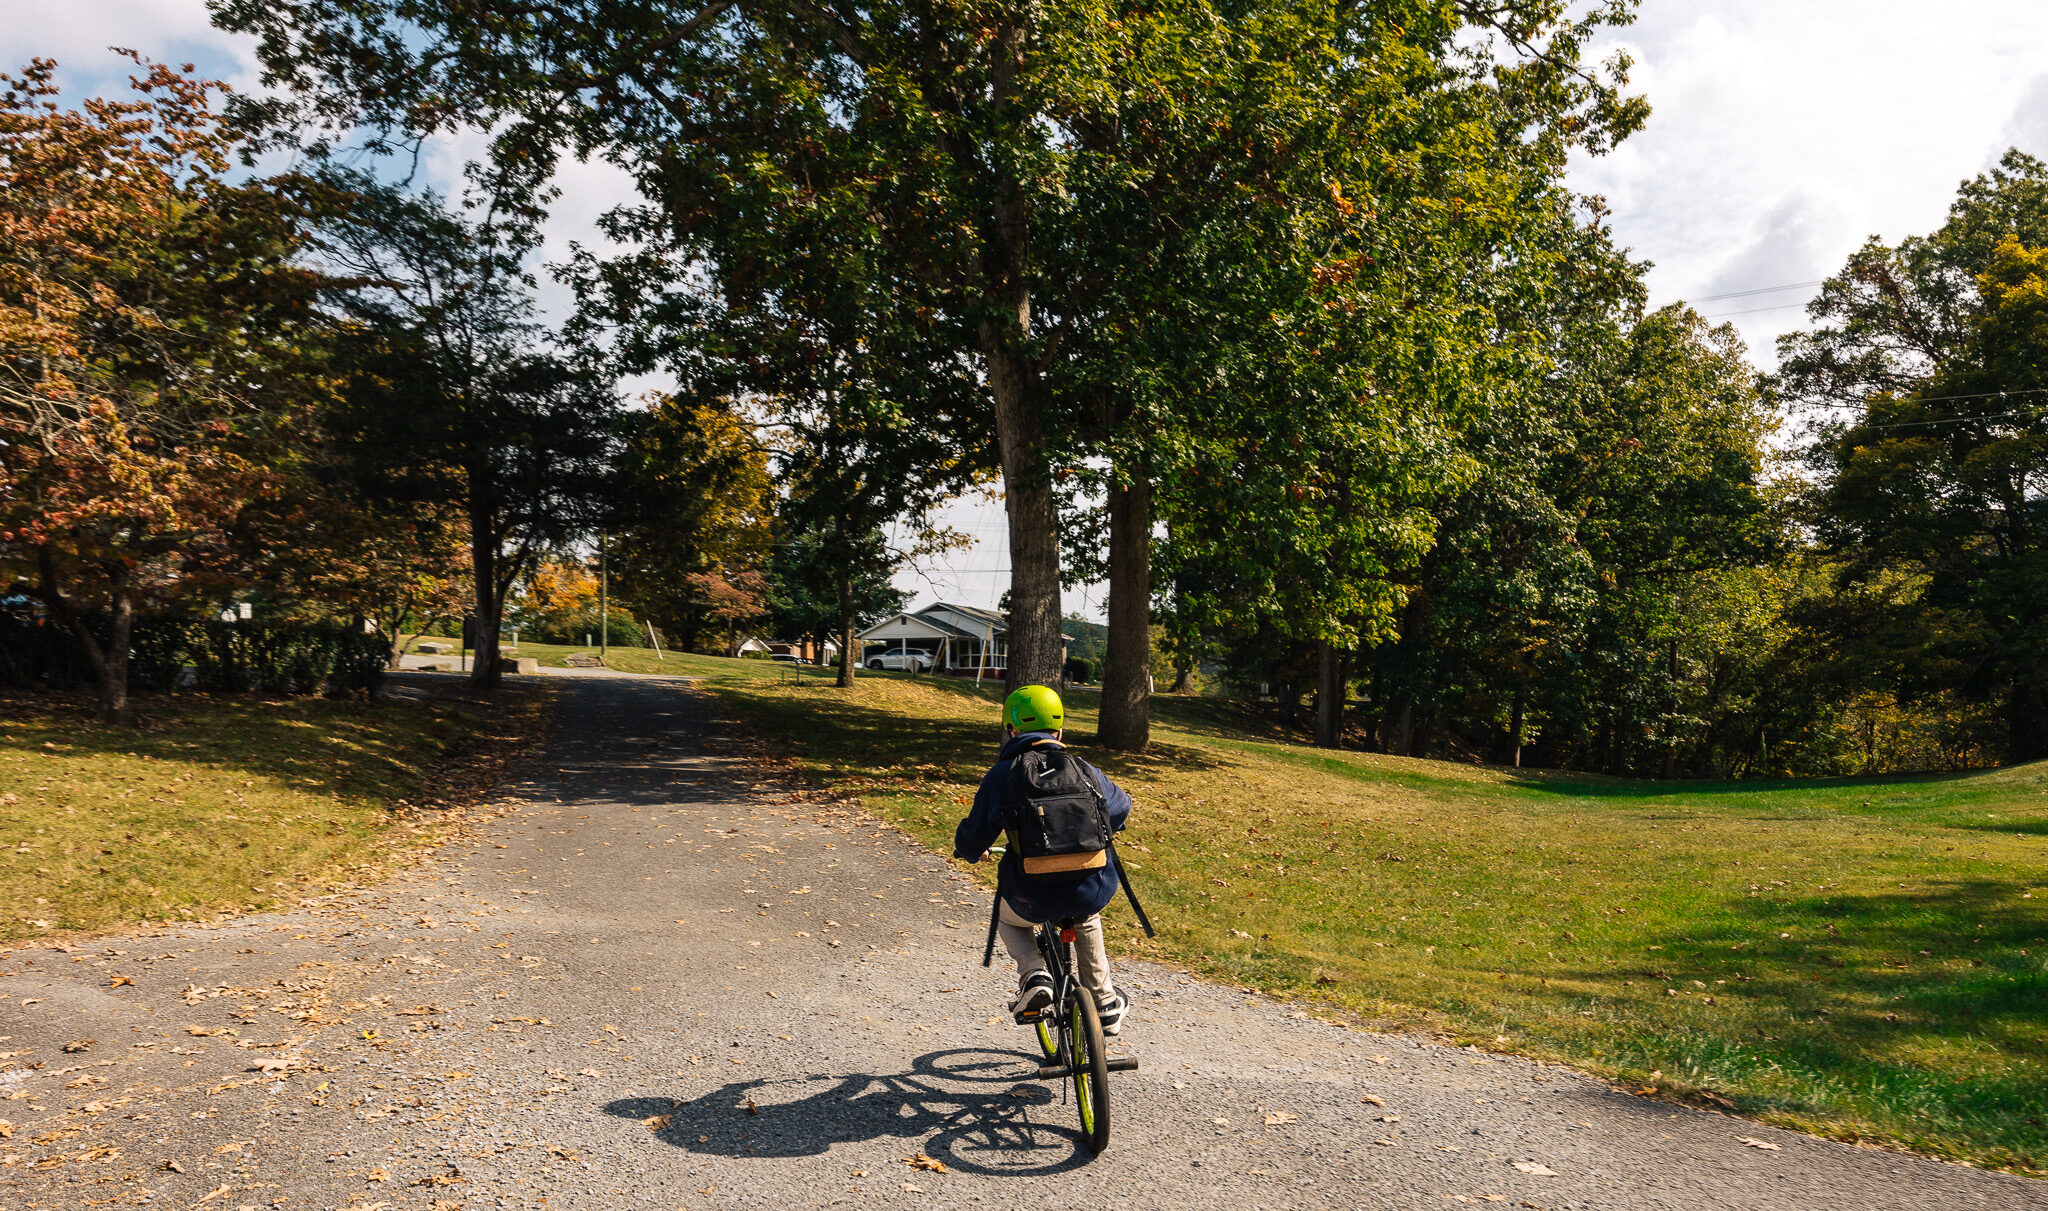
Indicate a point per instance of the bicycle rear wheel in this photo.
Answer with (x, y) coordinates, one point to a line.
(1091, 1069)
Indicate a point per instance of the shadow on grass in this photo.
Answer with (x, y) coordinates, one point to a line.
(314, 745)
(959, 1102)
(1924, 1010)
(892, 743)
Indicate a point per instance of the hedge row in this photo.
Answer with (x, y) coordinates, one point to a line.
(223, 657)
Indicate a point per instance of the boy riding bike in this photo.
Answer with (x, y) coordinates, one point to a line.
(1059, 811)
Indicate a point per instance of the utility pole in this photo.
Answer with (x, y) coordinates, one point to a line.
(604, 616)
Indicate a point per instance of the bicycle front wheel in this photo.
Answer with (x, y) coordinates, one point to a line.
(1091, 1069)
(1048, 1041)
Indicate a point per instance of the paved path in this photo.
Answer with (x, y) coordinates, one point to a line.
(649, 982)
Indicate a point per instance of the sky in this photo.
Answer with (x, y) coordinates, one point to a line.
(1783, 134)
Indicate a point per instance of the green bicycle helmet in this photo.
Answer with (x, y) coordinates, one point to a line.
(1034, 708)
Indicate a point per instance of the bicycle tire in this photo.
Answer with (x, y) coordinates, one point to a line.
(1048, 1042)
(1091, 1069)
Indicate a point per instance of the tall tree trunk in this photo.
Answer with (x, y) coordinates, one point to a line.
(1004, 334)
(1329, 696)
(109, 664)
(1183, 678)
(1033, 519)
(1126, 720)
(1404, 729)
(846, 661)
(1289, 704)
(490, 607)
(1515, 726)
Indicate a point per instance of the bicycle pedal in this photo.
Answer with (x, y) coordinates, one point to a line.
(1030, 1017)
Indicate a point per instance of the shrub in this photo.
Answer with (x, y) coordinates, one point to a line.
(1080, 670)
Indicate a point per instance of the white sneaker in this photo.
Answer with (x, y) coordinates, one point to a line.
(1112, 1011)
(1034, 994)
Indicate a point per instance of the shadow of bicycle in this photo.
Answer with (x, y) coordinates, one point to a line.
(970, 1106)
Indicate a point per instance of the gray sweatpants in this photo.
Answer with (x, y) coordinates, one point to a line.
(1089, 953)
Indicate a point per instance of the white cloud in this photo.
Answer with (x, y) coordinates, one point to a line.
(1784, 134)
(78, 33)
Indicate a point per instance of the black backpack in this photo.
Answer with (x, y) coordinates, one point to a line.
(1054, 812)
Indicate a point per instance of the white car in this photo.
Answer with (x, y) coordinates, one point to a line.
(902, 662)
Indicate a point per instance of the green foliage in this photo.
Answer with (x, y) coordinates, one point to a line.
(804, 580)
(1928, 372)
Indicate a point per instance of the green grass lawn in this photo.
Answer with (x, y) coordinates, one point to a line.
(1867, 959)
(670, 664)
(216, 804)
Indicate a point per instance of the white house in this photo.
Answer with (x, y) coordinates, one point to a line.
(963, 640)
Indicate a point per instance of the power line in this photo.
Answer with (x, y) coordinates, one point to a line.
(1940, 399)
(1752, 311)
(1743, 294)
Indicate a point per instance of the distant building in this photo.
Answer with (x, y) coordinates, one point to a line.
(962, 640)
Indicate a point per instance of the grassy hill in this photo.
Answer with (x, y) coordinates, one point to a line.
(1860, 957)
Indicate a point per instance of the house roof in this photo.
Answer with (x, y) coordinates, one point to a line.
(990, 621)
(938, 626)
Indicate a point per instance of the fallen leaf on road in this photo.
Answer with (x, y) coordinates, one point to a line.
(569, 1154)
(913, 1189)
(1220, 1122)
(1370, 1098)
(80, 1045)
(379, 1175)
(119, 982)
(1390, 1118)
(752, 1108)
(1531, 1167)
(1278, 1117)
(1379, 1059)
(589, 1072)
(921, 1161)
(658, 1122)
(216, 1192)
(1766, 1145)
(1445, 1147)
(173, 1167)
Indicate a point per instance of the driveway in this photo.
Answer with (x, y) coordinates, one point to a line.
(649, 978)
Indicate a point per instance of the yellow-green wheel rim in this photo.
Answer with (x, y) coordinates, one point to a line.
(1078, 1034)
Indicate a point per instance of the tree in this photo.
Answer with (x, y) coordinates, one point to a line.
(806, 597)
(948, 135)
(467, 399)
(405, 573)
(695, 509)
(1931, 354)
(156, 328)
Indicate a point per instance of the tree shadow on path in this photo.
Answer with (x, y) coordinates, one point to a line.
(970, 1106)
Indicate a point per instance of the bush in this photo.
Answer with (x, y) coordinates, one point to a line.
(751, 654)
(1080, 670)
(359, 661)
(223, 656)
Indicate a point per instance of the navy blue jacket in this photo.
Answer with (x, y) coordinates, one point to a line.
(1036, 898)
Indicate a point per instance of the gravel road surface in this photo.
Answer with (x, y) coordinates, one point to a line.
(653, 980)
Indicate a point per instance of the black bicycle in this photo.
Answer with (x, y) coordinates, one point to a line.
(1070, 1028)
(1070, 1034)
